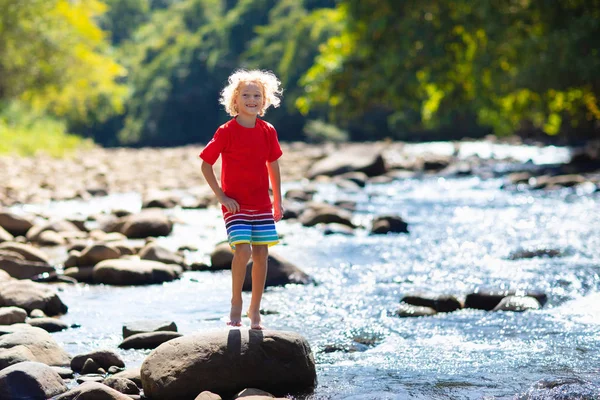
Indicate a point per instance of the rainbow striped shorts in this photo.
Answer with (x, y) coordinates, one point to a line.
(250, 226)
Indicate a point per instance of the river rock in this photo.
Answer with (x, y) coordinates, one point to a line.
(133, 374)
(122, 385)
(280, 272)
(24, 269)
(561, 388)
(148, 340)
(146, 326)
(104, 358)
(15, 355)
(34, 234)
(408, 310)
(389, 224)
(4, 276)
(39, 342)
(301, 195)
(49, 324)
(12, 315)
(206, 395)
(81, 274)
(96, 253)
(135, 272)
(361, 158)
(31, 295)
(440, 303)
(5, 236)
(14, 224)
(29, 252)
(154, 252)
(534, 253)
(221, 257)
(30, 380)
(325, 214)
(149, 222)
(483, 299)
(92, 391)
(518, 303)
(227, 361)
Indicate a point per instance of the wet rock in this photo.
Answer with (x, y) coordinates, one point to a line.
(96, 253)
(135, 272)
(199, 266)
(90, 367)
(360, 158)
(91, 378)
(34, 234)
(92, 391)
(359, 178)
(161, 200)
(39, 342)
(336, 229)
(50, 238)
(534, 253)
(389, 224)
(122, 385)
(14, 224)
(133, 374)
(5, 236)
(325, 214)
(149, 340)
(206, 395)
(569, 388)
(24, 269)
(221, 257)
(65, 373)
(31, 295)
(483, 299)
(440, 303)
(15, 355)
(81, 274)
(224, 362)
(37, 313)
(518, 303)
(29, 252)
(49, 324)
(280, 272)
(149, 222)
(30, 380)
(300, 195)
(104, 358)
(408, 310)
(146, 326)
(155, 252)
(12, 315)
(4, 276)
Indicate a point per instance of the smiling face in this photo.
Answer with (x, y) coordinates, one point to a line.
(249, 100)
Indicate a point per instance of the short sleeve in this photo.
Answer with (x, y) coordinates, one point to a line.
(215, 147)
(274, 147)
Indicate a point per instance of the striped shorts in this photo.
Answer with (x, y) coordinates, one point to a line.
(250, 226)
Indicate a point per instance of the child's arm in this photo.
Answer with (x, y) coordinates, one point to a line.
(275, 177)
(230, 204)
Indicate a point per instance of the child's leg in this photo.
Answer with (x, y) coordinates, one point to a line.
(259, 276)
(241, 256)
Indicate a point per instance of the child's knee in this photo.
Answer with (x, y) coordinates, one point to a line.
(243, 251)
(260, 252)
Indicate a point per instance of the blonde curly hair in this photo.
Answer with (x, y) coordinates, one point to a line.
(265, 79)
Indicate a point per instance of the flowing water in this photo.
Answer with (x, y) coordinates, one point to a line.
(462, 233)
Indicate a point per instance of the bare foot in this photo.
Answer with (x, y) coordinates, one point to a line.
(235, 316)
(255, 320)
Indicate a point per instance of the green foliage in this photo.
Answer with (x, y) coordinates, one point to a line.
(124, 17)
(434, 63)
(53, 57)
(25, 132)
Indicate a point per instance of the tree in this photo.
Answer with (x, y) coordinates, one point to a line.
(511, 64)
(53, 57)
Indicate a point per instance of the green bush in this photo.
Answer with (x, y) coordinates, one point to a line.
(23, 132)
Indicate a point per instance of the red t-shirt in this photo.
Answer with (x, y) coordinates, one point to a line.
(245, 153)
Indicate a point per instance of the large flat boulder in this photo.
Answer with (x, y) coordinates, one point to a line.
(39, 342)
(30, 295)
(228, 361)
(134, 272)
(30, 380)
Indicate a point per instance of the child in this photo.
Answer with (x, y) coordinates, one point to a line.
(249, 149)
